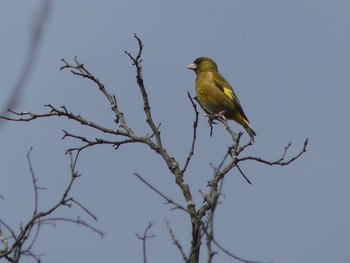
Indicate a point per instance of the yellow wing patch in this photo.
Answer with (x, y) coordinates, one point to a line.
(224, 86)
(228, 93)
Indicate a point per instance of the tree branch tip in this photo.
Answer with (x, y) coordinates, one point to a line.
(76, 59)
(76, 175)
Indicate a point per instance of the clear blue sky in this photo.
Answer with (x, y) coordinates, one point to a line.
(289, 64)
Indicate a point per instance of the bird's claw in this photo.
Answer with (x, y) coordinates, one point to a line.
(221, 115)
(211, 118)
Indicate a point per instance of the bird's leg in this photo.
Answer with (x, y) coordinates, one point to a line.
(221, 115)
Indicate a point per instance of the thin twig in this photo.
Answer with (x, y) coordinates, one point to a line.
(84, 208)
(78, 221)
(144, 237)
(34, 180)
(280, 161)
(55, 112)
(83, 72)
(24, 241)
(146, 106)
(168, 200)
(175, 241)
(232, 255)
(194, 137)
(244, 176)
(234, 136)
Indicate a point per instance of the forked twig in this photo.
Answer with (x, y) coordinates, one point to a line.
(146, 106)
(144, 237)
(280, 161)
(176, 241)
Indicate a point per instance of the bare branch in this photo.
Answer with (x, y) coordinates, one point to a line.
(80, 70)
(232, 255)
(34, 180)
(146, 106)
(168, 200)
(78, 221)
(24, 241)
(96, 141)
(84, 208)
(55, 112)
(175, 241)
(195, 125)
(8, 228)
(280, 161)
(235, 137)
(144, 237)
(208, 225)
(4, 242)
(244, 176)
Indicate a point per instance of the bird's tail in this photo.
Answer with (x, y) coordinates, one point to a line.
(249, 130)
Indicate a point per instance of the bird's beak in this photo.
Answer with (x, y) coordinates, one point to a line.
(192, 66)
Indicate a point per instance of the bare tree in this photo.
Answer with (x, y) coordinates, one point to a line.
(200, 216)
(20, 242)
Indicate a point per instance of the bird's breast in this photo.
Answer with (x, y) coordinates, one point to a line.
(210, 97)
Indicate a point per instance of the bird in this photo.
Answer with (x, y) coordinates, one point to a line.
(216, 96)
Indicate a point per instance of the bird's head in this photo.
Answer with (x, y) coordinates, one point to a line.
(203, 64)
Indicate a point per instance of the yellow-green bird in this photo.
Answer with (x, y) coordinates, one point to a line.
(215, 95)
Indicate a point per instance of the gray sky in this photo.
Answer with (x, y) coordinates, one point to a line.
(288, 62)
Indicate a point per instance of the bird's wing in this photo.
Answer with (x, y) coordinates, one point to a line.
(225, 87)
